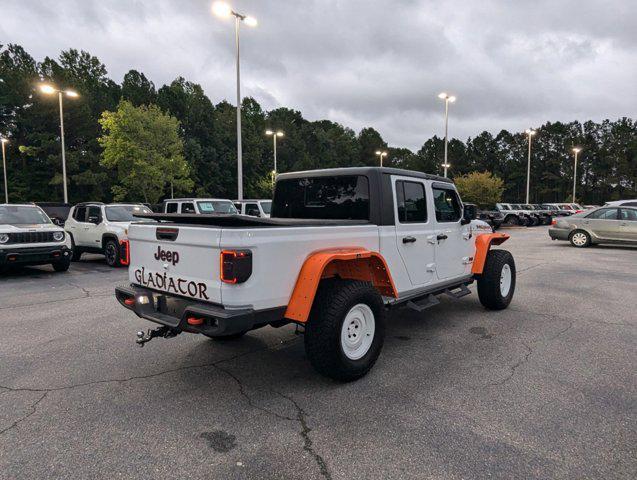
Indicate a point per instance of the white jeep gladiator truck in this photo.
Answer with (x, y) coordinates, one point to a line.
(341, 248)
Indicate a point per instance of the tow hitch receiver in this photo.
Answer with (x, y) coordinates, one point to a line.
(163, 331)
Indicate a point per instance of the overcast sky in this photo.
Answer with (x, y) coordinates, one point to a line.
(512, 64)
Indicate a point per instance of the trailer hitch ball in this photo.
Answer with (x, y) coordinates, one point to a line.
(163, 331)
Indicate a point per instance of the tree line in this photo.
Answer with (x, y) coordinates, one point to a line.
(206, 133)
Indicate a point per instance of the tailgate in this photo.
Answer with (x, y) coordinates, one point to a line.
(176, 259)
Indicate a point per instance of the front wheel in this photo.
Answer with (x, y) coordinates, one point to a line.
(62, 265)
(346, 329)
(496, 284)
(111, 252)
(580, 239)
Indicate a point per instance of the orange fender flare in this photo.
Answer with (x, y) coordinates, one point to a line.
(347, 263)
(483, 244)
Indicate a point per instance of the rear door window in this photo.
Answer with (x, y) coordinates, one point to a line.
(252, 209)
(171, 208)
(447, 205)
(411, 203)
(628, 214)
(331, 198)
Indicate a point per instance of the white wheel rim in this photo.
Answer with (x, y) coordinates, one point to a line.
(505, 280)
(579, 239)
(357, 332)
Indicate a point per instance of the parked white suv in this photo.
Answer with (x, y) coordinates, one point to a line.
(254, 208)
(99, 228)
(622, 203)
(29, 237)
(198, 205)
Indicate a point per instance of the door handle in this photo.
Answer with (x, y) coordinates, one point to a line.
(441, 236)
(409, 239)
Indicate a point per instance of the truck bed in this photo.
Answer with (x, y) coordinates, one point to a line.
(242, 221)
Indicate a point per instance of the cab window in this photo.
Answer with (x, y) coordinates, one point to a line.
(411, 203)
(171, 208)
(447, 205)
(187, 208)
(252, 209)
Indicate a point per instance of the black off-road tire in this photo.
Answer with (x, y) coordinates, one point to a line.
(62, 265)
(489, 290)
(112, 254)
(334, 299)
(512, 220)
(576, 244)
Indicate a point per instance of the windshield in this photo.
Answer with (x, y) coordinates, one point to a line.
(22, 215)
(577, 206)
(266, 206)
(124, 213)
(216, 206)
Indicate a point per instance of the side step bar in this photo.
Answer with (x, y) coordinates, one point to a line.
(431, 299)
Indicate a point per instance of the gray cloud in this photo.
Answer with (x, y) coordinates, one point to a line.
(367, 63)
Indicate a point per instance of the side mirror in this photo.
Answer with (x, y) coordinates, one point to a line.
(94, 219)
(469, 212)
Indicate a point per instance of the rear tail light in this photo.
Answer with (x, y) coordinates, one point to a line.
(124, 255)
(236, 266)
(554, 222)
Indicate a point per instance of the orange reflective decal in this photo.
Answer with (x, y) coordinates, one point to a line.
(483, 244)
(346, 263)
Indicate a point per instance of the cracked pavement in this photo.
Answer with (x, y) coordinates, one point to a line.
(544, 389)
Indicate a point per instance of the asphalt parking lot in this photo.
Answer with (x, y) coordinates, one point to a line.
(545, 389)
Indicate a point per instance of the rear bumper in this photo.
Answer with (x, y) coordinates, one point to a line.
(558, 234)
(174, 311)
(34, 255)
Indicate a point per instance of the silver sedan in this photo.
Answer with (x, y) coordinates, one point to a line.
(608, 224)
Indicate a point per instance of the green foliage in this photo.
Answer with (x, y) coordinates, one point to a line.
(607, 166)
(481, 188)
(143, 145)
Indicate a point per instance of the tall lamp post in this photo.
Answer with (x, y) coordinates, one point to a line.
(223, 10)
(4, 166)
(530, 132)
(448, 99)
(576, 150)
(50, 90)
(380, 156)
(274, 134)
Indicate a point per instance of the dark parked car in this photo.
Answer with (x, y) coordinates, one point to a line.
(492, 216)
(57, 212)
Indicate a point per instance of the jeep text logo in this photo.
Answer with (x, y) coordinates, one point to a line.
(167, 256)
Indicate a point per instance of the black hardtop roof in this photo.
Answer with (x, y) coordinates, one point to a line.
(327, 172)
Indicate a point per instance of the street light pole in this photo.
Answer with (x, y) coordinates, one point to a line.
(224, 10)
(380, 156)
(274, 134)
(66, 195)
(48, 89)
(239, 149)
(530, 132)
(576, 150)
(447, 99)
(4, 166)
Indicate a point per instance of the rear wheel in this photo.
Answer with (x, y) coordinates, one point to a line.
(580, 239)
(496, 284)
(111, 252)
(346, 329)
